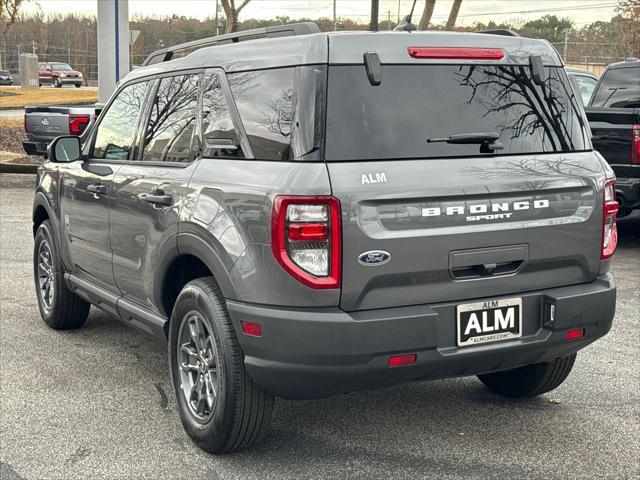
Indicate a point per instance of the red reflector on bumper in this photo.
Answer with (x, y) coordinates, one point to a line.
(252, 329)
(574, 334)
(398, 360)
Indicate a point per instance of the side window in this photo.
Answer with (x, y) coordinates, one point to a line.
(116, 132)
(169, 131)
(266, 103)
(219, 136)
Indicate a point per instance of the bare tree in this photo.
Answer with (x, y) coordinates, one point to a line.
(8, 14)
(232, 12)
(453, 14)
(429, 6)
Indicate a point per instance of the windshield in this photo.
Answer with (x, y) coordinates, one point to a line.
(61, 66)
(619, 88)
(418, 102)
(584, 86)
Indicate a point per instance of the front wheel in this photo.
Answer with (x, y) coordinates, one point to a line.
(220, 407)
(531, 380)
(56, 83)
(59, 307)
(78, 85)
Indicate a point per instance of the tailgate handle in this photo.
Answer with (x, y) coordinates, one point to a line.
(487, 262)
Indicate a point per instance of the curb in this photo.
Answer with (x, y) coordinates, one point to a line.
(18, 168)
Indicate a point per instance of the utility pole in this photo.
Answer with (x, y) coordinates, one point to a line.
(566, 44)
(217, 24)
(33, 46)
(389, 19)
(398, 20)
(335, 18)
(375, 7)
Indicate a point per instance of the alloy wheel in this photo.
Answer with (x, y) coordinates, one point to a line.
(46, 276)
(198, 360)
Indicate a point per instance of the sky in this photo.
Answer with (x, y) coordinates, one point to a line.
(511, 11)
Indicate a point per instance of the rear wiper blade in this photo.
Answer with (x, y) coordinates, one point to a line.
(488, 141)
(488, 137)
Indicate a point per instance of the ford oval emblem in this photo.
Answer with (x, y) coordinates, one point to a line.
(374, 258)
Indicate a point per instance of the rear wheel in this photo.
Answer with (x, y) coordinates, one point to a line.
(531, 380)
(220, 407)
(60, 308)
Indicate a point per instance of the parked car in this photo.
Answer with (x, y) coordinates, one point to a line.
(301, 214)
(5, 78)
(58, 74)
(584, 82)
(614, 117)
(43, 124)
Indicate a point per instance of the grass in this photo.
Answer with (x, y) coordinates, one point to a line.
(11, 97)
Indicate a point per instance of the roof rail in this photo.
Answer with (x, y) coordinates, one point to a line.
(176, 51)
(501, 31)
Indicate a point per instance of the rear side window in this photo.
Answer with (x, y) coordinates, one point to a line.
(116, 131)
(265, 101)
(169, 132)
(219, 136)
(419, 102)
(619, 88)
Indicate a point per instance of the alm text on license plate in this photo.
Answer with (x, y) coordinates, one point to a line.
(489, 321)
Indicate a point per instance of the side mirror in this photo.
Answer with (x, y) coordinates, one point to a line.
(64, 149)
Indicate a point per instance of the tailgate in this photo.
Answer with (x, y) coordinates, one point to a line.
(46, 124)
(612, 133)
(458, 229)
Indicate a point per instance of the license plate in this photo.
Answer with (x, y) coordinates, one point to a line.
(489, 321)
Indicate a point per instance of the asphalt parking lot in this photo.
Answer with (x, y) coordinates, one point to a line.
(98, 403)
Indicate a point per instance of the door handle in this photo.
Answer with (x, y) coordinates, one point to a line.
(97, 189)
(158, 199)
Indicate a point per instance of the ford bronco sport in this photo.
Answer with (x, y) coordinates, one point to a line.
(300, 214)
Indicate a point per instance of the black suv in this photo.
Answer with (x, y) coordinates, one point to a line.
(302, 214)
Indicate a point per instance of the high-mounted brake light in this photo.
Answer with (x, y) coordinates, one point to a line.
(456, 53)
(77, 124)
(609, 212)
(635, 145)
(306, 238)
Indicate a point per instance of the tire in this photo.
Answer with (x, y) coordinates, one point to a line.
(61, 309)
(240, 412)
(531, 380)
(78, 85)
(56, 83)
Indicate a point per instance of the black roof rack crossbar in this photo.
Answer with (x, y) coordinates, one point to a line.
(501, 31)
(166, 54)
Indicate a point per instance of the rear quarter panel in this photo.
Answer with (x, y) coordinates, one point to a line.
(228, 205)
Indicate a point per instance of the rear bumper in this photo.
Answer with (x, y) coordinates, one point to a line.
(32, 147)
(319, 352)
(628, 191)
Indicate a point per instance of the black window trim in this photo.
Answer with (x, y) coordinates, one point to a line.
(238, 126)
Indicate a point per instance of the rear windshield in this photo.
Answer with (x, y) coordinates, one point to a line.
(417, 102)
(619, 88)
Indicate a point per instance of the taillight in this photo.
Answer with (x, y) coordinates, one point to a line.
(609, 212)
(306, 238)
(456, 53)
(635, 145)
(77, 124)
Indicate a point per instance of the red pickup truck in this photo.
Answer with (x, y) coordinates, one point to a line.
(59, 74)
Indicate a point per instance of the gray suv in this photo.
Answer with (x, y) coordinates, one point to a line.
(301, 214)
